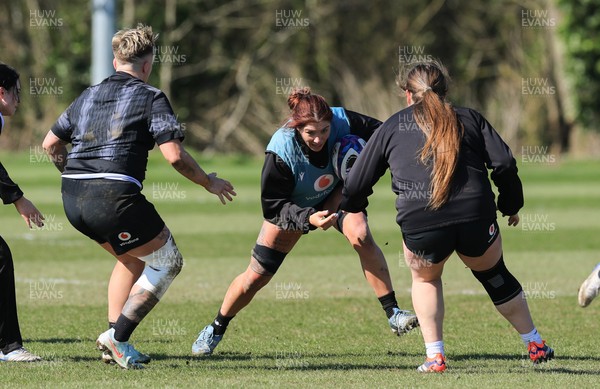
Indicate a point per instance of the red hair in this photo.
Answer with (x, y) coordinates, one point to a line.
(307, 108)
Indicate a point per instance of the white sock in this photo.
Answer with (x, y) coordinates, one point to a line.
(434, 348)
(532, 336)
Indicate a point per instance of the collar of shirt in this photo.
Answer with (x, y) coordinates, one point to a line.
(122, 76)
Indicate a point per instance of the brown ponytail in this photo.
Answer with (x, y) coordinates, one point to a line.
(307, 108)
(428, 83)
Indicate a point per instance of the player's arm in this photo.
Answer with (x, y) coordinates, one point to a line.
(277, 185)
(362, 125)
(504, 174)
(9, 191)
(187, 166)
(56, 149)
(12, 194)
(366, 171)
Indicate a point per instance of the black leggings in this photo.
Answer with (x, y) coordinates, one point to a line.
(10, 335)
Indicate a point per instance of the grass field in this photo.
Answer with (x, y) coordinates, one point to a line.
(317, 324)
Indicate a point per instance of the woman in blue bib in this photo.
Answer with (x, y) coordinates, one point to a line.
(300, 192)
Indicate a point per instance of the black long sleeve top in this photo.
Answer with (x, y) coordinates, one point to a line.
(9, 191)
(397, 144)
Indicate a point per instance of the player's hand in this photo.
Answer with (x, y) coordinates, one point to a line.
(29, 212)
(220, 187)
(513, 220)
(322, 219)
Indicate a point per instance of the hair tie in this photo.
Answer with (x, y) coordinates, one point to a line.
(426, 89)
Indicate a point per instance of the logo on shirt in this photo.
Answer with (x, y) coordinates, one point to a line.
(124, 236)
(323, 182)
(492, 232)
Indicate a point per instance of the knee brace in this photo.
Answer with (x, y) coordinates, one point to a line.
(162, 266)
(499, 283)
(269, 258)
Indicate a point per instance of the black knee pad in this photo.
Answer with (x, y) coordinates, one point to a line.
(499, 283)
(269, 258)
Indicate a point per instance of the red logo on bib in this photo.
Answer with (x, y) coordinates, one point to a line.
(323, 182)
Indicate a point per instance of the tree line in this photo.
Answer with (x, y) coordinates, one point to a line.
(532, 67)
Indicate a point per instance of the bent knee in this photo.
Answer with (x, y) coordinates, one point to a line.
(162, 266)
(253, 280)
(356, 230)
(266, 260)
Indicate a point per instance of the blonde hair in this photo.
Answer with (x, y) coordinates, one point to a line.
(132, 44)
(428, 83)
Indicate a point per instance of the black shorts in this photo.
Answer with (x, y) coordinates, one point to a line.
(471, 239)
(111, 211)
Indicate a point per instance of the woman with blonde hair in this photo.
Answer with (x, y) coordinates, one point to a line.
(438, 156)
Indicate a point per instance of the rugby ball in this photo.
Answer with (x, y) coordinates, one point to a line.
(345, 152)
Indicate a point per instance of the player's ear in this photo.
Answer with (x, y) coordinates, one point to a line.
(147, 65)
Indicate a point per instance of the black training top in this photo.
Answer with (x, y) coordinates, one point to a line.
(113, 125)
(397, 145)
(277, 180)
(9, 191)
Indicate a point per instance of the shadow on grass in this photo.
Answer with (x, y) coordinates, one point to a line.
(318, 362)
(247, 356)
(60, 340)
(464, 357)
(291, 361)
(561, 370)
(543, 368)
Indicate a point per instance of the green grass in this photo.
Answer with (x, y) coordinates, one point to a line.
(334, 333)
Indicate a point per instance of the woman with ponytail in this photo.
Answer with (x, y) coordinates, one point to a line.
(438, 156)
(299, 193)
